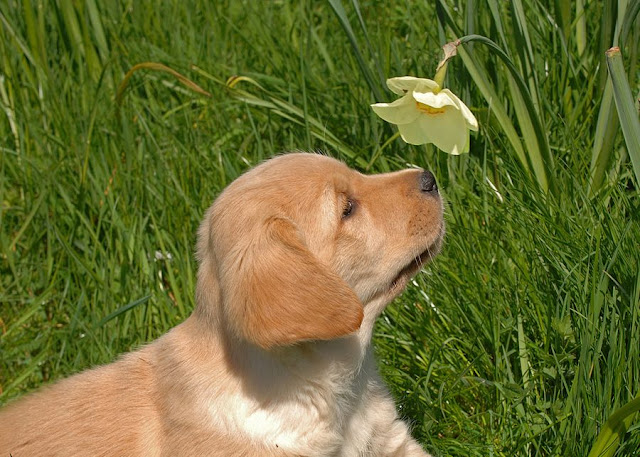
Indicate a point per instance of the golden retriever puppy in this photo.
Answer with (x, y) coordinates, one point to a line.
(297, 259)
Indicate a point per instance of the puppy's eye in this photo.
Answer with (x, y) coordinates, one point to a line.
(349, 206)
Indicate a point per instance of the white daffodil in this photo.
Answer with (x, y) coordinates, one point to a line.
(428, 114)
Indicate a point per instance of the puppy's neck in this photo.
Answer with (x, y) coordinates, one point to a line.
(372, 311)
(343, 356)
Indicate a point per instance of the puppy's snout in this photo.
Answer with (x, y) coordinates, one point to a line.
(427, 182)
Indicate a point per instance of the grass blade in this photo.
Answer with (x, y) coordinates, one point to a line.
(356, 6)
(97, 29)
(296, 115)
(156, 67)
(495, 15)
(72, 27)
(31, 28)
(123, 309)
(627, 112)
(539, 153)
(33, 364)
(338, 8)
(616, 426)
(581, 27)
(629, 18)
(607, 124)
(563, 17)
(523, 44)
(603, 139)
(479, 76)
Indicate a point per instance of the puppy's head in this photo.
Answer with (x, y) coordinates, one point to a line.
(299, 246)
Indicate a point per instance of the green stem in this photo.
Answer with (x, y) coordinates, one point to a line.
(526, 96)
(441, 72)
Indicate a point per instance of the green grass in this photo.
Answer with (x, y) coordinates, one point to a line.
(521, 339)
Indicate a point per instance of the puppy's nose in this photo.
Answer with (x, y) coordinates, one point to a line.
(427, 182)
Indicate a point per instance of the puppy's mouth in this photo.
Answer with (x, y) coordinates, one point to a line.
(407, 272)
(403, 277)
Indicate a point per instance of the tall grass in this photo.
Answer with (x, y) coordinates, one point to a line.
(521, 339)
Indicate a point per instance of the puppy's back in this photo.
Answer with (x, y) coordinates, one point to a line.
(105, 411)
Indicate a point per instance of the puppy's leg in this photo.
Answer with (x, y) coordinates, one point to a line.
(398, 443)
(390, 436)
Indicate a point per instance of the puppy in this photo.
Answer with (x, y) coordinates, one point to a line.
(297, 259)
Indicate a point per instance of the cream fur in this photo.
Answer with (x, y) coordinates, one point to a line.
(276, 359)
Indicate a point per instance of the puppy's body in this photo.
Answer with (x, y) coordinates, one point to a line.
(297, 259)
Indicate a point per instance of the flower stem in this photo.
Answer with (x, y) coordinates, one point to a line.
(441, 72)
(450, 50)
(545, 159)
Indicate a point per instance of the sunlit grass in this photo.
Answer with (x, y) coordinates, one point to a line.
(521, 339)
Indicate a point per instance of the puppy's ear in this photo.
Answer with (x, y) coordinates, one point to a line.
(278, 293)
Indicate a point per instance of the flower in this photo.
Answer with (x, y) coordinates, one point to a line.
(428, 114)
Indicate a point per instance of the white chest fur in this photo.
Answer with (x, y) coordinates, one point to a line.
(306, 402)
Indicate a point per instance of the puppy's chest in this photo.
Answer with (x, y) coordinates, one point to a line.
(308, 419)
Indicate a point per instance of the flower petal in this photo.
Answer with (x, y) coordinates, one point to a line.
(426, 85)
(457, 149)
(402, 111)
(414, 133)
(403, 84)
(435, 100)
(447, 131)
(471, 120)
